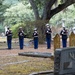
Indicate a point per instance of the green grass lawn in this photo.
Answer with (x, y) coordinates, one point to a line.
(22, 65)
(8, 65)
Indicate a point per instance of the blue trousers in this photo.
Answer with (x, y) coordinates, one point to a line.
(9, 43)
(64, 42)
(48, 43)
(35, 43)
(21, 43)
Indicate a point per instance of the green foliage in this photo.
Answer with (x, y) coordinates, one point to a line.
(68, 15)
(17, 14)
(20, 12)
(27, 27)
(2, 10)
(10, 2)
(1, 28)
(15, 30)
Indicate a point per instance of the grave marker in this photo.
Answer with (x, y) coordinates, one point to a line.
(56, 41)
(64, 62)
(72, 39)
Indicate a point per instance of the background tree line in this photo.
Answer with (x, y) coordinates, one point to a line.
(35, 13)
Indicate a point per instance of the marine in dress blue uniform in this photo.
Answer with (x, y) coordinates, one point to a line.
(21, 37)
(48, 36)
(35, 37)
(9, 38)
(63, 33)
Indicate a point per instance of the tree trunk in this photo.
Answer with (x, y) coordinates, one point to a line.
(47, 14)
(40, 24)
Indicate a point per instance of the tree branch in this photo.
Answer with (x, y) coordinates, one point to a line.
(35, 9)
(47, 7)
(61, 7)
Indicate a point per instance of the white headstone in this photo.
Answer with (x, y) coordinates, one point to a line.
(73, 29)
(5, 29)
(63, 25)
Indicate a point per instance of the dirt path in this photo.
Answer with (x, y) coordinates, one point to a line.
(15, 51)
(13, 64)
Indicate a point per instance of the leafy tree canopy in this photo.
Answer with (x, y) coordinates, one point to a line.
(18, 13)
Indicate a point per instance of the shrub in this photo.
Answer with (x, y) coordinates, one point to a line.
(28, 29)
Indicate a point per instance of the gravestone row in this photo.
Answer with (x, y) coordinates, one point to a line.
(57, 40)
